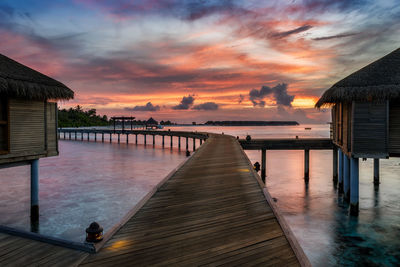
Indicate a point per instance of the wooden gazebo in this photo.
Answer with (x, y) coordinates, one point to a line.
(28, 119)
(365, 119)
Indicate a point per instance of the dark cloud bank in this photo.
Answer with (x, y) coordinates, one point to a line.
(279, 93)
(188, 101)
(148, 107)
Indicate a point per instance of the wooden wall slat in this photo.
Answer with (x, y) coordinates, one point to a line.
(394, 128)
(370, 129)
(26, 126)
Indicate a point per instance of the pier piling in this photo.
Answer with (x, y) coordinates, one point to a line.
(163, 141)
(194, 144)
(179, 142)
(187, 143)
(110, 137)
(127, 138)
(306, 165)
(354, 186)
(346, 177)
(335, 164)
(102, 137)
(340, 174)
(88, 136)
(69, 135)
(171, 144)
(263, 164)
(376, 171)
(136, 139)
(154, 140)
(35, 190)
(145, 139)
(95, 137)
(76, 136)
(119, 138)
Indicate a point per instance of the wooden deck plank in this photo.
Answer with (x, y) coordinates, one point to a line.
(20, 251)
(212, 211)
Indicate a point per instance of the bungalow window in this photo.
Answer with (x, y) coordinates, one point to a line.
(3, 125)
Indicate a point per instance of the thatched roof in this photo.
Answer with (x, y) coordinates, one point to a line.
(377, 81)
(17, 80)
(151, 121)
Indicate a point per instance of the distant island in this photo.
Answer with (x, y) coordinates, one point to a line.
(251, 123)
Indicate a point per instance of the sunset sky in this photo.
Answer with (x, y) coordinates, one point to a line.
(199, 60)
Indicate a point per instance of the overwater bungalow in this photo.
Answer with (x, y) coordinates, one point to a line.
(365, 119)
(28, 118)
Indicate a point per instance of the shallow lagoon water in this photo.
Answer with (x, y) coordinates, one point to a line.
(87, 182)
(122, 174)
(317, 215)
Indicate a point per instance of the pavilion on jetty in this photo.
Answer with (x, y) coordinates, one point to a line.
(28, 119)
(366, 120)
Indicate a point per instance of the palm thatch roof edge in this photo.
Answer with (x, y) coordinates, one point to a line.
(378, 81)
(17, 80)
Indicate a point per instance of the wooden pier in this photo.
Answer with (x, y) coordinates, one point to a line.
(305, 144)
(214, 210)
(85, 134)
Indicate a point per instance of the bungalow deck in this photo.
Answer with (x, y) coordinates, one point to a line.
(213, 211)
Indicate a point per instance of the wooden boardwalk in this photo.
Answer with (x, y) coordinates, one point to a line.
(212, 211)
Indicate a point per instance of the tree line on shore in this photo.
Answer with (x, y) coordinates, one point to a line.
(77, 117)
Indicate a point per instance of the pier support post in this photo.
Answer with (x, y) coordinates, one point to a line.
(263, 164)
(187, 143)
(171, 143)
(136, 139)
(163, 141)
(346, 177)
(154, 139)
(354, 186)
(110, 137)
(201, 141)
(95, 137)
(81, 136)
(306, 165)
(145, 139)
(88, 136)
(127, 138)
(76, 136)
(69, 135)
(194, 144)
(102, 137)
(35, 190)
(179, 142)
(376, 171)
(335, 164)
(119, 138)
(340, 174)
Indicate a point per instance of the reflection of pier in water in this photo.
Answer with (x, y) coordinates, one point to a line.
(214, 209)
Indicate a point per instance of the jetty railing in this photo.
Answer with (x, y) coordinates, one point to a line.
(305, 144)
(76, 134)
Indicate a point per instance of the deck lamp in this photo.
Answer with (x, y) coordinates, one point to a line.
(257, 166)
(94, 233)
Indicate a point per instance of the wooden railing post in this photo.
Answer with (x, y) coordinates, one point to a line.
(263, 164)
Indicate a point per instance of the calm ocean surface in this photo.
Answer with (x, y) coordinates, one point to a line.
(102, 182)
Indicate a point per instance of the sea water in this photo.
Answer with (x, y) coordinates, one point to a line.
(102, 182)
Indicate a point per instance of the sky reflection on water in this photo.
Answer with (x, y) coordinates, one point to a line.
(87, 182)
(316, 214)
